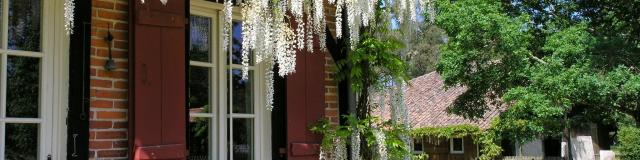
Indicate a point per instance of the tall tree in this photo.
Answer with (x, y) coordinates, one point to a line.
(548, 61)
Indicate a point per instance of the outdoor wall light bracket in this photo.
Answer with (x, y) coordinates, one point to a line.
(110, 65)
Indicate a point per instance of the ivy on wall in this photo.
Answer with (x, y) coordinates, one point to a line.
(488, 139)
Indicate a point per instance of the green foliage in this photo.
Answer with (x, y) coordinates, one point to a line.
(552, 64)
(629, 147)
(396, 147)
(422, 156)
(455, 131)
(483, 44)
(372, 59)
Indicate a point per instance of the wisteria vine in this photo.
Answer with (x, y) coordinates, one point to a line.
(269, 35)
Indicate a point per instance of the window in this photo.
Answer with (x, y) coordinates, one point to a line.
(457, 145)
(226, 117)
(29, 59)
(417, 145)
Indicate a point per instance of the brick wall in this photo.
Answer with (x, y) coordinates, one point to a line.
(109, 102)
(331, 111)
(108, 119)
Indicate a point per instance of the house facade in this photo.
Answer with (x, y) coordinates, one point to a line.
(150, 81)
(427, 101)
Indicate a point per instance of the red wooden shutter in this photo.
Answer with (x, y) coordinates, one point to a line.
(158, 111)
(305, 105)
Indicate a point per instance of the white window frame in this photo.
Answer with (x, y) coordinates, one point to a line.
(54, 80)
(219, 75)
(451, 147)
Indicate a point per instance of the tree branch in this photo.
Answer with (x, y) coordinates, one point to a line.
(537, 59)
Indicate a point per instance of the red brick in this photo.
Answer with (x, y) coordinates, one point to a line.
(111, 115)
(102, 4)
(95, 42)
(101, 104)
(111, 134)
(120, 144)
(109, 94)
(100, 83)
(122, 7)
(121, 26)
(331, 112)
(100, 144)
(120, 125)
(100, 124)
(106, 14)
(121, 85)
(330, 98)
(92, 135)
(120, 44)
(103, 52)
(113, 74)
(112, 153)
(121, 104)
(97, 23)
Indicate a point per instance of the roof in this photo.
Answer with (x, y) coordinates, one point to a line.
(427, 101)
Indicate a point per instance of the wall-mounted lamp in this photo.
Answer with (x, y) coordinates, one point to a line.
(110, 65)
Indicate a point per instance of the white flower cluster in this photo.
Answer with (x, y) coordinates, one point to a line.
(69, 8)
(268, 32)
(355, 144)
(226, 31)
(269, 78)
(398, 108)
(339, 150)
(380, 144)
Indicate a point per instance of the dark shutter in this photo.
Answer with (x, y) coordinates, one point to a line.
(158, 68)
(305, 105)
(78, 119)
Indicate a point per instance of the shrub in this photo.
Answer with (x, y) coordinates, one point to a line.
(628, 147)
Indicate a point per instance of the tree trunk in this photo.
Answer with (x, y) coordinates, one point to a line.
(363, 110)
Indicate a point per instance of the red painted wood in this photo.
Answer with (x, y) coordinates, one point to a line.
(305, 149)
(305, 105)
(158, 111)
(161, 152)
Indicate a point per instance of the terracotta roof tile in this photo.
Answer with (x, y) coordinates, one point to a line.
(427, 101)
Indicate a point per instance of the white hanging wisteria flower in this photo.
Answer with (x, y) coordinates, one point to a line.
(380, 144)
(69, 8)
(355, 144)
(340, 149)
(269, 79)
(269, 33)
(226, 31)
(285, 53)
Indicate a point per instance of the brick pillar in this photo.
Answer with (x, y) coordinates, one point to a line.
(331, 111)
(109, 103)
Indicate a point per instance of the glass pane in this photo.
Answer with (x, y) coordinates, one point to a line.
(199, 138)
(242, 101)
(200, 48)
(242, 139)
(24, 25)
(199, 90)
(21, 142)
(417, 144)
(457, 144)
(236, 44)
(23, 87)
